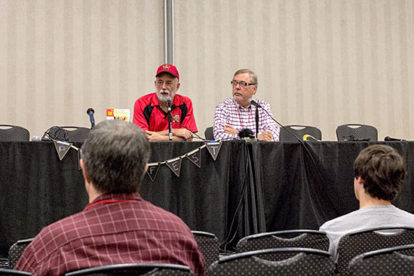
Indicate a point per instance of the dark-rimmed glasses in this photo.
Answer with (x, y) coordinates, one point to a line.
(241, 83)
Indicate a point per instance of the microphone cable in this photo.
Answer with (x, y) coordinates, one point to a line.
(311, 154)
(198, 136)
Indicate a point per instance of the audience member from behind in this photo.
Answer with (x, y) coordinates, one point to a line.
(236, 115)
(150, 111)
(379, 173)
(117, 226)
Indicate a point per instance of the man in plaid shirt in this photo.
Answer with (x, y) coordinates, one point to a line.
(117, 226)
(235, 114)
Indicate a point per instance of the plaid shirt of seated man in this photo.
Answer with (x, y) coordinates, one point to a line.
(118, 226)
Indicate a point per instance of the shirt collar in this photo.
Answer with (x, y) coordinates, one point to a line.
(133, 196)
(241, 107)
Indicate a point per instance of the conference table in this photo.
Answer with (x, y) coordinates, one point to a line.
(247, 188)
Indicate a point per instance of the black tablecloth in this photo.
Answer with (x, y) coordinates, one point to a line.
(250, 188)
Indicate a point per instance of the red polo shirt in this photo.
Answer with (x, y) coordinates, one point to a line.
(149, 116)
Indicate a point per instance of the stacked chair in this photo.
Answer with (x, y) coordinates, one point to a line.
(275, 261)
(12, 272)
(16, 250)
(397, 260)
(280, 239)
(291, 252)
(209, 246)
(134, 269)
(355, 244)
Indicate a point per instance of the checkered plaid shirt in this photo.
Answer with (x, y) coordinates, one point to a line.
(113, 229)
(231, 113)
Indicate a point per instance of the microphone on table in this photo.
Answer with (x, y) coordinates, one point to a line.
(90, 112)
(388, 138)
(246, 134)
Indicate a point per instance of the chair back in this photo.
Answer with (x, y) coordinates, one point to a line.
(357, 243)
(12, 272)
(288, 133)
(13, 133)
(289, 238)
(356, 132)
(16, 251)
(389, 261)
(209, 246)
(289, 261)
(134, 269)
(208, 133)
(4, 263)
(67, 133)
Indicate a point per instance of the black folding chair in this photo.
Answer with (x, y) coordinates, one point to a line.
(291, 133)
(12, 272)
(275, 261)
(4, 263)
(67, 133)
(16, 251)
(289, 238)
(356, 132)
(13, 133)
(134, 269)
(361, 242)
(397, 260)
(209, 246)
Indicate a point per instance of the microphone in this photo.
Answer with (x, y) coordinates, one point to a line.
(90, 112)
(308, 137)
(253, 102)
(388, 138)
(246, 133)
(169, 103)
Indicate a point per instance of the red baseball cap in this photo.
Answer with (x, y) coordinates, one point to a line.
(168, 68)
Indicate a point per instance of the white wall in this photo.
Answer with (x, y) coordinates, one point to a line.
(319, 62)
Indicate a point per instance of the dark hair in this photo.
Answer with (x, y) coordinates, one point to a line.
(382, 169)
(115, 156)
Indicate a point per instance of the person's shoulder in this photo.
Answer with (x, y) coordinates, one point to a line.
(337, 223)
(55, 235)
(61, 227)
(225, 103)
(180, 99)
(168, 218)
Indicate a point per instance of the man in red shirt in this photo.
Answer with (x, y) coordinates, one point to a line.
(117, 226)
(151, 111)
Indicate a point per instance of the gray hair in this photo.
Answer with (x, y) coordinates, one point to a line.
(115, 155)
(252, 75)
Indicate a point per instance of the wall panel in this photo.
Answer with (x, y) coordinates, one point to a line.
(59, 57)
(319, 62)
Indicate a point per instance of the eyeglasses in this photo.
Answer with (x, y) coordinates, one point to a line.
(241, 83)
